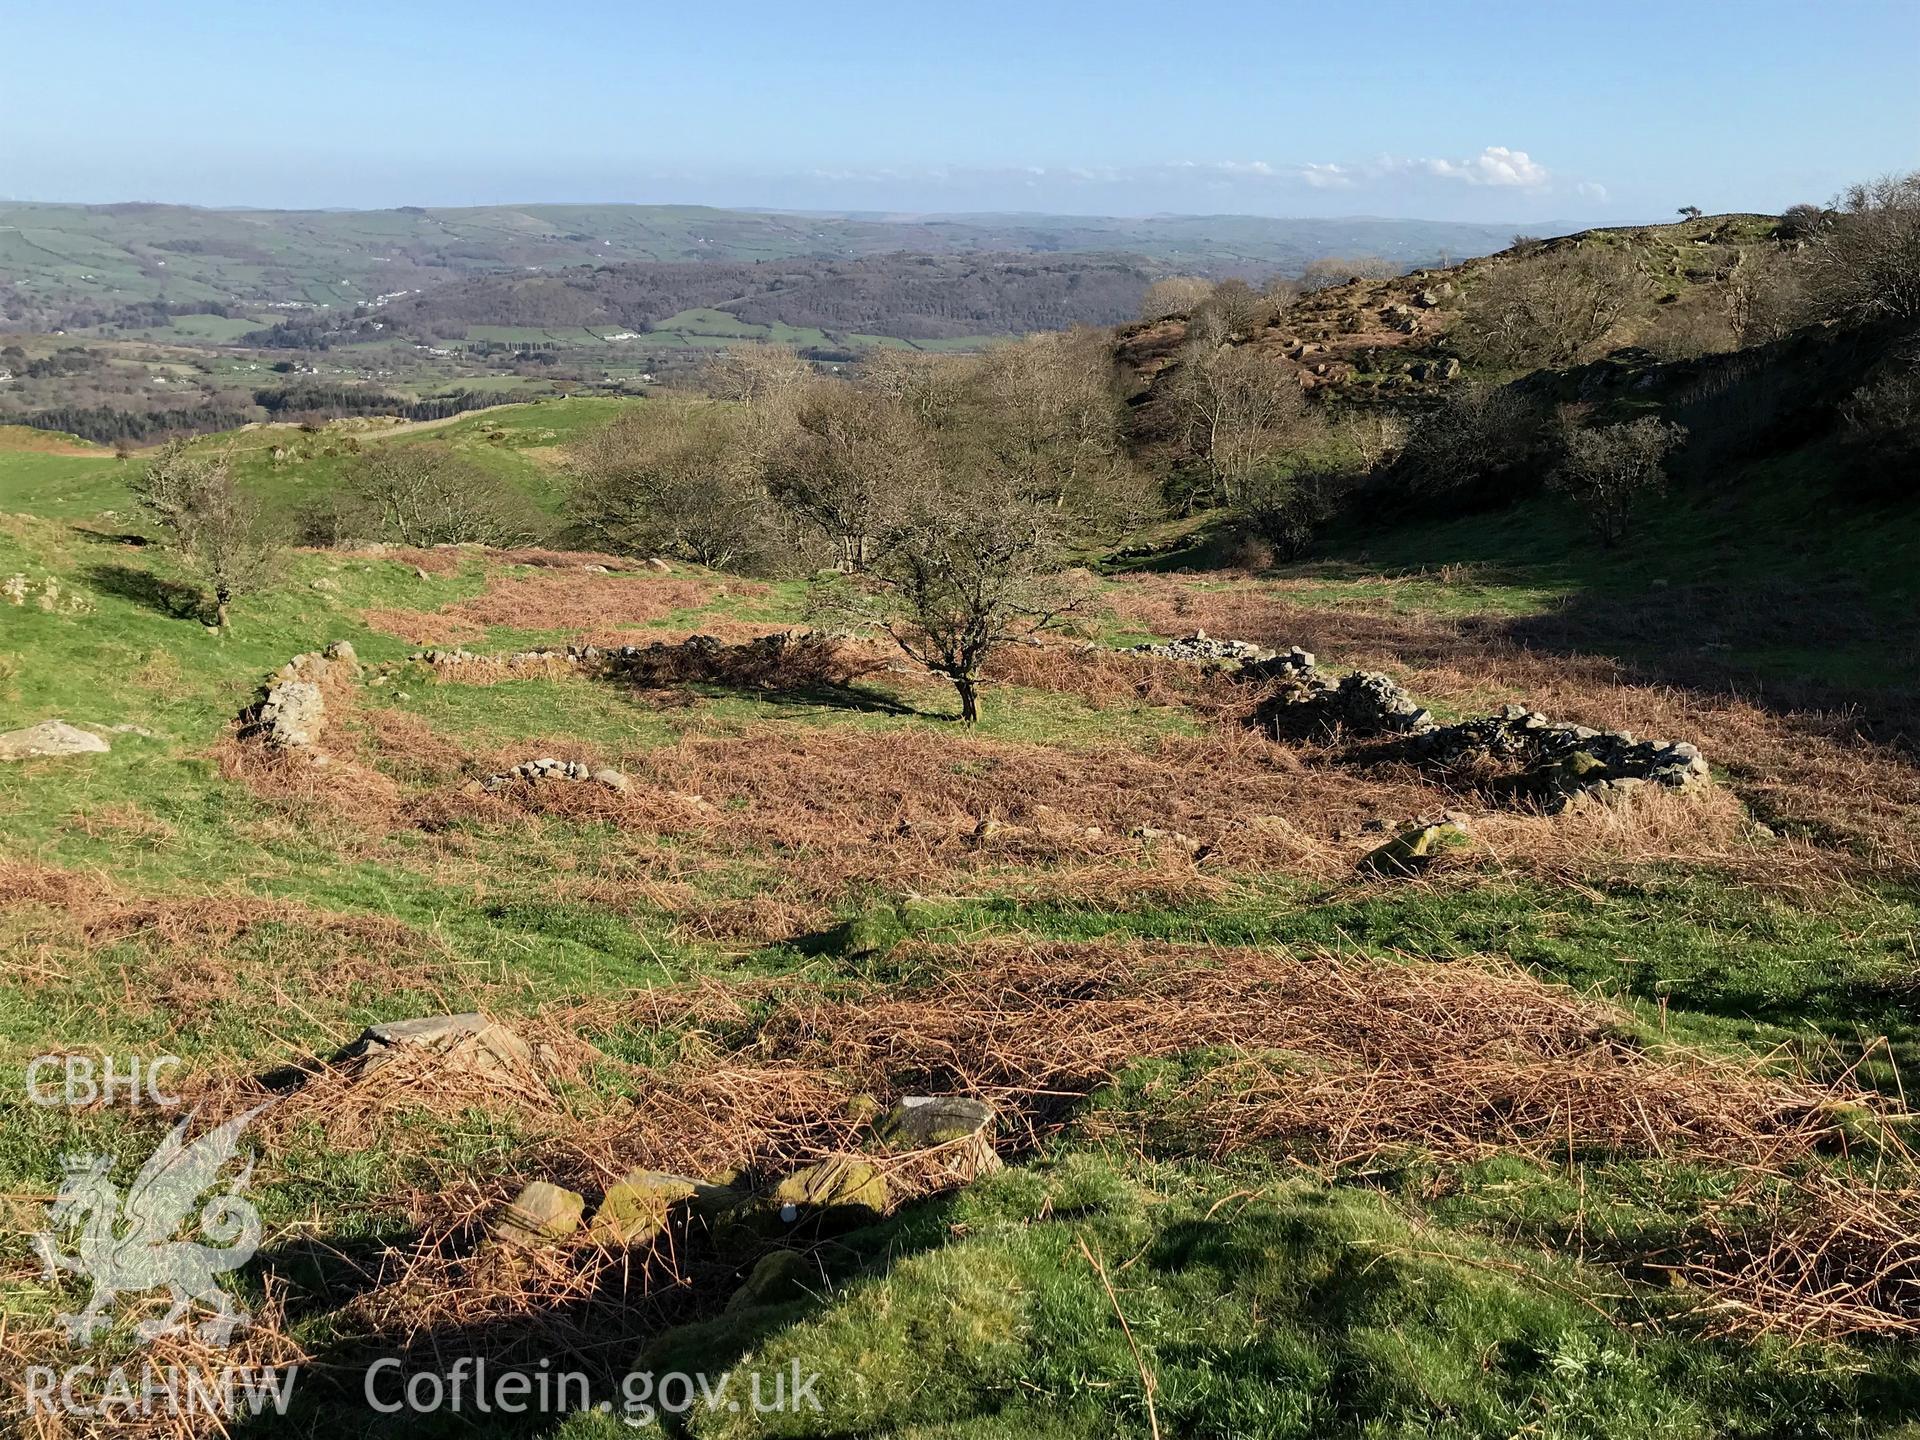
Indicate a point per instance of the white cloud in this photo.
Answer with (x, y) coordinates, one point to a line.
(1495, 165)
(1326, 177)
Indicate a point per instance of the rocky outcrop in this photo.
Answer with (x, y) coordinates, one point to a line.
(50, 738)
(291, 713)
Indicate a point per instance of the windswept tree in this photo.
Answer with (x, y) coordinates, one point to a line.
(1546, 310)
(969, 565)
(219, 528)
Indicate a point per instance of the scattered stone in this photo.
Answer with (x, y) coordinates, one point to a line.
(639, 1205)
(1362, 704)
(1151, 835)
(47, 595)
(468, 1043)
(656, 563)
(50, 738)
(1200, 647)
(548, 768)
(838, 1185)
(325, 585)
(1556, 760)
(959, 1126)
(1417, 848)
(777, 1277)
(612, 779)
(291, 713)
(541, 1214)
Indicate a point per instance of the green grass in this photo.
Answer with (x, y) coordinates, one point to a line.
(1412, 1295)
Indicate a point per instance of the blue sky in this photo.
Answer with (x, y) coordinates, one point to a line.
(1480, 109)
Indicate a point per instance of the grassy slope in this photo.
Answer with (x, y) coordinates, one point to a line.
(1433, 1299)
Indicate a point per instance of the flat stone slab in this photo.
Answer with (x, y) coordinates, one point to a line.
(50, 737)
(469, 1042)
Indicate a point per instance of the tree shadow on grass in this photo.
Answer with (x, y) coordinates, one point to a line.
(812, 695)
(166, 597)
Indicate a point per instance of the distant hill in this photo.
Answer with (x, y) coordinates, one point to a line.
(72, 266)
(909, 297)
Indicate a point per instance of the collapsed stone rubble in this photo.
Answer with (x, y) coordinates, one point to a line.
(1549, 762)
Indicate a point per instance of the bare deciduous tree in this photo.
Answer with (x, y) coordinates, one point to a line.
(1764, 297)
(1175, 295)
(1332, 270)
(1239, 409)
(968, 566)
(1863, 264)
(430, 494)
(1050, 418)
(756, 374)
(680, 480)
(220, 528)
(1546, 310)
(931, 388)
(1609, 470)
(1234, 309)
(852, 452)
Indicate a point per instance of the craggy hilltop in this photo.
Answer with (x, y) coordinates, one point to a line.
(1338, 860)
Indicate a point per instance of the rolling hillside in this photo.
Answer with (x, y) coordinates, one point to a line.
(72, 265)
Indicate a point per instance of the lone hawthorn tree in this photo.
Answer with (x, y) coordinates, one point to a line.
(219, 528)
(1607, 471)
(963, 569)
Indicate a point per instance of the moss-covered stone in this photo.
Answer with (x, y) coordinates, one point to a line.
(541, 1214)
(1414, 850)
(638, 1206)
(838, 1184)
(776, 1278)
